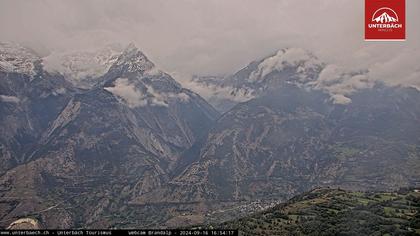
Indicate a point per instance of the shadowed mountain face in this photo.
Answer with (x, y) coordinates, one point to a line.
(130, 147)
(295, 132)
(292, 139)
(97, 148)
(30, 99)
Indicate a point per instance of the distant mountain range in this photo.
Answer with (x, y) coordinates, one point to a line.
(104, 139)
(83, 68)
(287, 66)
(298, 131)
(292, 140)
(118, 139)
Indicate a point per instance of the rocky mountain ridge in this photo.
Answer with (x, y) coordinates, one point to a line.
(93, 145)
(287, 66)
(135, 148)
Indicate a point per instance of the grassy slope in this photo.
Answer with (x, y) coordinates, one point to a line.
(337, 212)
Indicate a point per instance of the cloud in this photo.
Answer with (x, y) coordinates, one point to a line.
(339, 83)
(77, 66)
(134, 97)
(128, 92)
(215, 36)
(154, 71)
(295, 57)
(211, 91)
(401, 69)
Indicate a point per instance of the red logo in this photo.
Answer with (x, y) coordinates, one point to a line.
(384, 20)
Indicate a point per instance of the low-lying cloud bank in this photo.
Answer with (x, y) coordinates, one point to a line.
(210, 37)
(218, 37)
(136, 96)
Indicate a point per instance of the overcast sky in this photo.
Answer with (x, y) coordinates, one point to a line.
(187, 37)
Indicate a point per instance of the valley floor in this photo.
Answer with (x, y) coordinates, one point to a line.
(337, 212)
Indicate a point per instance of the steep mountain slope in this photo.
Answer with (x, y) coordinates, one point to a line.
(30, 98)
(107, 145)
(333, 212)
(136, 149)
(287, 66)
(292, 139)
(306, 124)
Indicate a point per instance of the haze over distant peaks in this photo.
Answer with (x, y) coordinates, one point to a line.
(82, 68)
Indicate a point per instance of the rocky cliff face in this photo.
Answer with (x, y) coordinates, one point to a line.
(97, 149)
(83, 68)
(136, 149)
(287, 66)
(30, 98)
(290, 141)
(301, 128)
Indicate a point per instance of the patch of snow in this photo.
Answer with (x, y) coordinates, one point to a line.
(18, 59)
(340, 99)
(59, 91)
(82, 67)
(11, 99)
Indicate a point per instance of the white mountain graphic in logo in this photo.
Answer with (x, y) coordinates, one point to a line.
(385, 18)
(388, 16)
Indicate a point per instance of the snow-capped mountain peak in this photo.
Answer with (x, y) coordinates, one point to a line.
(136, 81)
(132, 60)
(14, 58)
(295, 66)
(82, 68)
(300, 60)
